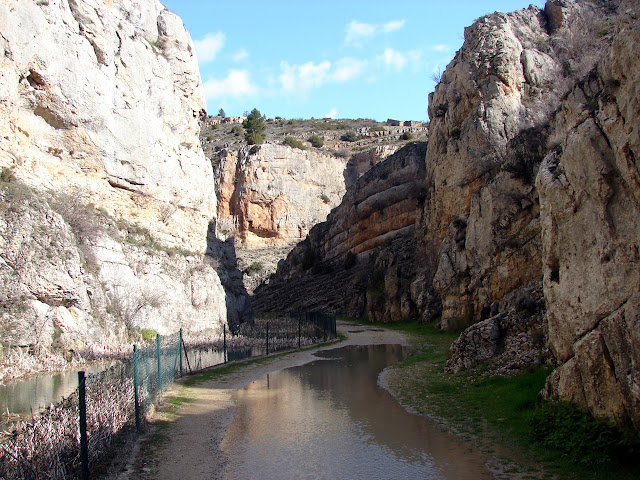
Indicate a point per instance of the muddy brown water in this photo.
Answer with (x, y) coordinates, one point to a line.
(330, 419)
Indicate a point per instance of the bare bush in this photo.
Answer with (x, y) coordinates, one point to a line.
(127, 305)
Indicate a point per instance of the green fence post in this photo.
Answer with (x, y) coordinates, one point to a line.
(82, 406)
(136, 400)
(180, 351)
(299, 331)
(267, 338)
(159, 363)
(224, 343)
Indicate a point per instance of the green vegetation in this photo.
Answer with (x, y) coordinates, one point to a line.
(407, 136)
(294, 143)
(350, 136)
(329, 126)
(325, 198)
(148, 334)
(255, 267)
(6, 175)
(221, 113)
(496, 410)
(254, 127)
(236, 130)
(316, 141)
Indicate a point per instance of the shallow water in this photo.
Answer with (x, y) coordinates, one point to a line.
(34, 393)
(329, 419)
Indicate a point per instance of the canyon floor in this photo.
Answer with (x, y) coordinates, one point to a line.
(185, 432)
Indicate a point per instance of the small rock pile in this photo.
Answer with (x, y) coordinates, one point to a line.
(513, 339)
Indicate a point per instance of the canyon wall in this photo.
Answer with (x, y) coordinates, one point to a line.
(271, 195)
(107, 197)
(589, 187)
(526, 207)
(369, 235)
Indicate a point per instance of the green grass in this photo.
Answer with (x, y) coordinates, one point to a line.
(497, 411)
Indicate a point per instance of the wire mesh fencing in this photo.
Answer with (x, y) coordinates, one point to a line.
(269, 333)
(51, 446)
(68, 439)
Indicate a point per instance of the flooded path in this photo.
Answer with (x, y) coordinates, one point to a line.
(329, 419)
(311, 414)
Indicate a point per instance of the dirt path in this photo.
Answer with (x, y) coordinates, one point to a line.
(186, 444)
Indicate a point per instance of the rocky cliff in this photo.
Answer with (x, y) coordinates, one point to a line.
(342, 264)
(589, 187)
(105, 98)
(271, 195)
(107, 197)
(525, 219)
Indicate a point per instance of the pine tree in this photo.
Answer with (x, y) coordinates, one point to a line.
(254, 128)
(221, 113)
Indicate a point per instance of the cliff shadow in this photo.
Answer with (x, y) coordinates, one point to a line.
(221, 254)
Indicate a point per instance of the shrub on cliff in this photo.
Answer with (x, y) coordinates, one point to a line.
(316, 141)
(254, 128)
(294, 143)
(350, 136)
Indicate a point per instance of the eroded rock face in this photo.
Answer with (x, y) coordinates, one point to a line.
(487, 136)
(105, 101)
(100, 103)
(72, 283)
(361, 259)
(589, 196)
(510, 341)
(274, 196)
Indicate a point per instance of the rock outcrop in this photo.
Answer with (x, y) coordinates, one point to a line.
(271, 195)
(107, 197)
(589, 188)
(105, 102)
(365, 247)
(487, 137)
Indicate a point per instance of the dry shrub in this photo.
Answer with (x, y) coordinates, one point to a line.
(48, 446)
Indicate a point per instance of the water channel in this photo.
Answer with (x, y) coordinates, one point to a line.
(329, 419)
(29, 395)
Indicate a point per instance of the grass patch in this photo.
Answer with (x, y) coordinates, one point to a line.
(507, 411)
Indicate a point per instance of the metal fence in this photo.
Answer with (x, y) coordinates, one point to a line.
(68, 439)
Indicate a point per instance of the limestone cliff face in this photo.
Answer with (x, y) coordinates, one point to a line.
(487, 137)
(589, 189)
(103, 99)
(364, 249)
(107, 197)
(272, 197)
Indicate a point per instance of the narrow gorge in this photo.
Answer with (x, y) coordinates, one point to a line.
(511, 217)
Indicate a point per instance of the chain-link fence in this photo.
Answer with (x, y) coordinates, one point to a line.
(68, 439)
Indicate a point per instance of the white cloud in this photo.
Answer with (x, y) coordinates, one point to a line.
(209, 46)
(394, 59)
(392, 26)
(240, 55)
(236, 84)
(332, 113)
(347, 69)
(357, 32)
(298, 79)
(441, 48)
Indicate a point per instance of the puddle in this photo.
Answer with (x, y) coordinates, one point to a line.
(329, 419)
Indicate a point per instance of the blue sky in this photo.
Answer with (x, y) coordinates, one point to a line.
(341, 59)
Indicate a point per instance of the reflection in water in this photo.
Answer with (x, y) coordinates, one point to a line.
(33, 393)
(329, 419)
